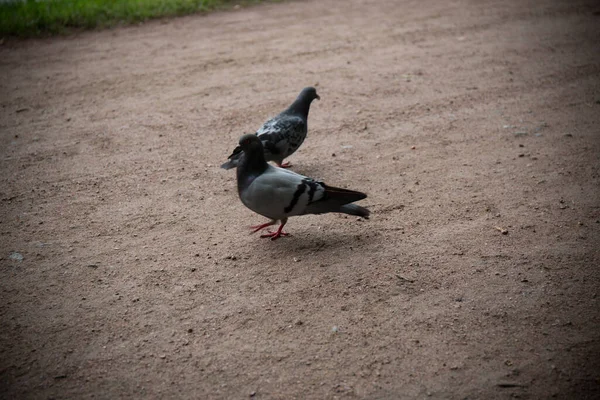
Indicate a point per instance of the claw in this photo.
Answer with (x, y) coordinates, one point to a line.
(274, 235)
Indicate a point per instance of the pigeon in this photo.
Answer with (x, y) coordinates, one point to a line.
(282, 135)
(278, 193)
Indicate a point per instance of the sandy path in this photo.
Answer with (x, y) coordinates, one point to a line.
(139, 278)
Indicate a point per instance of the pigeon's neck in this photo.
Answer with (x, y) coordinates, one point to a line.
(300, 107)
(250, 166)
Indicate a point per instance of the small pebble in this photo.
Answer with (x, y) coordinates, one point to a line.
(16, 256)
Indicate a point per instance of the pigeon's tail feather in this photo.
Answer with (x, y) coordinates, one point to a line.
(338, 200)
(353, 209)
(234, 158)
(229, 164)
(343, 196)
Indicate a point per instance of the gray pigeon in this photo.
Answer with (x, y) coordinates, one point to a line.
(278, 193)
(282, 135)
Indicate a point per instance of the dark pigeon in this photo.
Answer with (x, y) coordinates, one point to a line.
(282, 135)
(278, 193)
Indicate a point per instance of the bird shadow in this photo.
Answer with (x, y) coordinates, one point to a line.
(325, 243)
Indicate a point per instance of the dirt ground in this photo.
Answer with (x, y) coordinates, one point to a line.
(474, 127)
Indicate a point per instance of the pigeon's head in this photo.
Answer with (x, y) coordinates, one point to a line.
(250, 143)
(309, 94)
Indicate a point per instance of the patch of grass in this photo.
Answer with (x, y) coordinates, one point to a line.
(26, 18)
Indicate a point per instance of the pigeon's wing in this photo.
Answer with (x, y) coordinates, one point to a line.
(278, 193)
(282, 135)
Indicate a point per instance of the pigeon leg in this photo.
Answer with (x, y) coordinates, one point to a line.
(257, 228)
(286, 164)
(278, 233)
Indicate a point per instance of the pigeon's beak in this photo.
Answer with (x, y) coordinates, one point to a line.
(317, 97)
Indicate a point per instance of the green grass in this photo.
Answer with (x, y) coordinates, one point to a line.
(26, 18)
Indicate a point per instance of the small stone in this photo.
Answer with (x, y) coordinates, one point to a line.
(16, 256)
(502, 230)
